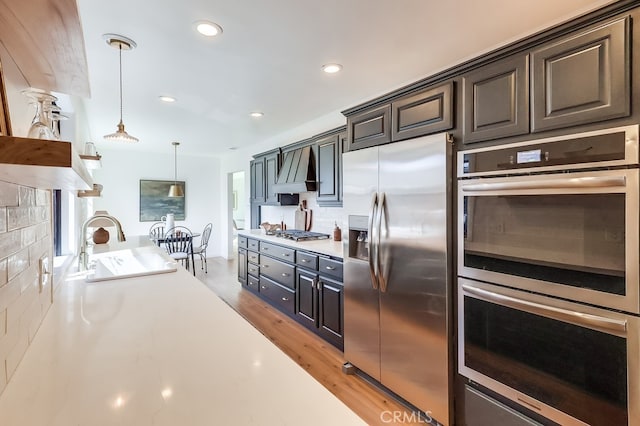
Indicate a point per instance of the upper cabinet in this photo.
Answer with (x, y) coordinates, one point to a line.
(582, 78)
(578, 79)
(328, 152)
(428, 111)
(369, 128)
(263, 175)
(421, 112)
(496, 100)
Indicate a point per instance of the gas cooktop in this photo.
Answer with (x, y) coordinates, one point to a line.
(299, 235)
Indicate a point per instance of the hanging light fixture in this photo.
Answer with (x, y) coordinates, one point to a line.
(175, 190)
(121, 43)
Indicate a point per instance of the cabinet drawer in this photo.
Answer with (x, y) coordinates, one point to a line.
(278, 252)
(253, 244)
(330, 267)
(242, 242)
(253, 284)
(253, 257)
(253, 269)
(281, 272)
(282, 298)
(307, 260)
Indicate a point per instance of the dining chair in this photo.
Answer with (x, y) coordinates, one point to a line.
(179, 244)
(156, 232)
(201, 250)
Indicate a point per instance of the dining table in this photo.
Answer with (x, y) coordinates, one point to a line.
(161, 240)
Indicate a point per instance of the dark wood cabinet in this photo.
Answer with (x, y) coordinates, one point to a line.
(328, 152)
(330, 310)
(242, 266)
(257, 183)
(582, 78)
(369, 128)
(428, 111)
(496, 100)
(306, 298)
(319, 299)
(271, 169)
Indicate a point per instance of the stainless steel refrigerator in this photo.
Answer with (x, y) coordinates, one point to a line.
(397, 269)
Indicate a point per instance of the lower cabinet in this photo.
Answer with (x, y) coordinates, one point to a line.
(319, 305)
(306, 286)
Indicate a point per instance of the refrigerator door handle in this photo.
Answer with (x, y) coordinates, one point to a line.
(381, 252)
(373, 261)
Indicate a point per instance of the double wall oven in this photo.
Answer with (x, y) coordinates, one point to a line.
(548, 293)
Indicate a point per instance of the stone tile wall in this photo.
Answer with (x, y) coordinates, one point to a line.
(25, 238)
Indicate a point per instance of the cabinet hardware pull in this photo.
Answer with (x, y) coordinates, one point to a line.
(265, 266)
(284, 274)
(265, 248)
(304, 260)
(264, 287)
(331, 268)
(285, 299)
(285, 254)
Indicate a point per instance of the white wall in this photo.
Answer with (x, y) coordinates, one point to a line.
(121, 173)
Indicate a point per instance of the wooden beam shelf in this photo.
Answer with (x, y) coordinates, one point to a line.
(92, 161)
(40, 163)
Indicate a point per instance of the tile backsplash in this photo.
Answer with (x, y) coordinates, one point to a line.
(323, 218)
(25, 238)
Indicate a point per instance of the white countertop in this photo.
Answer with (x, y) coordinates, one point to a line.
(158, 350)
(328, 247)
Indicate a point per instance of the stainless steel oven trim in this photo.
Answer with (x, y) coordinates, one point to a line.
(630, 302)
(632, 337)
(631, 153)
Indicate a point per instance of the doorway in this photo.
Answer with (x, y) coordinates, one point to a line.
(237, 207)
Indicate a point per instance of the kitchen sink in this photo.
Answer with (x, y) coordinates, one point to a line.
(129, 263)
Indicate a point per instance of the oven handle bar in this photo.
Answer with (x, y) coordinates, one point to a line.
(581, 182)
(579, 318)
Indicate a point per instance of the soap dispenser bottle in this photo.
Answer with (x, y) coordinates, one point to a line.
(337, 233)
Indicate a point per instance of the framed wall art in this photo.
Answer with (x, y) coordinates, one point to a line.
(155, 202)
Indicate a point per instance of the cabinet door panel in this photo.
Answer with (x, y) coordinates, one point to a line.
(306, 303)
(330, 303)
(328, 164)
(429, 111)
(257, 184)
(242, 265)
(496, 100)
(582, 78)
(272, 166)
(369, 128)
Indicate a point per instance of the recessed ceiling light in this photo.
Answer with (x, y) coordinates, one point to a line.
(331, 68)
(257, 114)
(208, 29)
(167, 99)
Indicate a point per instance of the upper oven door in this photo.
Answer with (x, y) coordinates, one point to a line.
(570, 235)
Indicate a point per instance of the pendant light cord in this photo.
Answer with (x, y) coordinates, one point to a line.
(120, 54)
(175, 164)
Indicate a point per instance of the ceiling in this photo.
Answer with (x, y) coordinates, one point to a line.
(269, 59)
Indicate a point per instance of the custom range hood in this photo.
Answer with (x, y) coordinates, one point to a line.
(298, 172)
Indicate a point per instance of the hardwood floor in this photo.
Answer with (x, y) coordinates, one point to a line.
(320, 359)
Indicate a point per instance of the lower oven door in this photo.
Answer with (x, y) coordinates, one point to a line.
(571, 363)
(569, 235)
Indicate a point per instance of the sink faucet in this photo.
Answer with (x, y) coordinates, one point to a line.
(83, 256)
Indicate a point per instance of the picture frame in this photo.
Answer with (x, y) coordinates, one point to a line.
(155, 202)
(5, 123)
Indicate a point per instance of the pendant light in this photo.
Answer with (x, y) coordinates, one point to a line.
(121, 43)
(175, 190)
